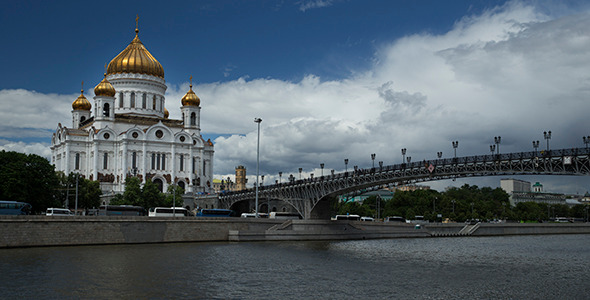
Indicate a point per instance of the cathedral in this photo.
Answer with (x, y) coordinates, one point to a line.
(126, 131)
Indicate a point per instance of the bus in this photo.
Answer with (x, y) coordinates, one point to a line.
(285, 215)
(168, 212)
(121, 210)
(395, 219)
(14, 208)
(215, 212)
(347, 217)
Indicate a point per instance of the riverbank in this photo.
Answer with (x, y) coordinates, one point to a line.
(36, 231)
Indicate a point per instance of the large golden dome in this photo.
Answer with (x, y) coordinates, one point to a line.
(190, 98)
(104, 88)
(81, 103)
(135, 59)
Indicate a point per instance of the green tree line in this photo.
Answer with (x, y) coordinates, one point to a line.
(458, 204)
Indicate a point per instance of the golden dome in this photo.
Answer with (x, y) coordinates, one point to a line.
(135, 59)
(166, 113)
(190, 98)
(81, 103)
(104, 88)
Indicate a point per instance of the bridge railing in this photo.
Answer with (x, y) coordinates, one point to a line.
(425, 164)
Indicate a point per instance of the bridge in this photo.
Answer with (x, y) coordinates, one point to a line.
(307, 195)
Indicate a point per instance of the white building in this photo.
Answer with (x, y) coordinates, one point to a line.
(126, 130)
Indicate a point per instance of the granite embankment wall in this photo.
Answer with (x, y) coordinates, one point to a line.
(32, 231)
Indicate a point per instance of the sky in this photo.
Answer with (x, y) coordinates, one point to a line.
(330, 79)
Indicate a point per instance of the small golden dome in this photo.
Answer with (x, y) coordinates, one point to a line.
(81, 103)
(136, 59)
(104, 88)
(166, 113)
(190, 98)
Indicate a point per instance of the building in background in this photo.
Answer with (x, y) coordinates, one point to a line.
(126, 130)
(520, 191)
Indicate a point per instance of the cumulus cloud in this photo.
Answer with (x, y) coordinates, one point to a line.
(510, 71)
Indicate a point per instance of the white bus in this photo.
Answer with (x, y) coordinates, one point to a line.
(347, 217)
(168, 212)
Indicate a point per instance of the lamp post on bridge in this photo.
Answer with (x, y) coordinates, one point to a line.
(547, 136)
(300, 169)
(257, 120)
(322, 167)
(404, 154)
(497, 140)
(346, 165)
(439, 154)
(280, 176)
(586, 140)
(492, 149)
(373, 159)
(409, 159)
(455, 145)
(535, 146)
(380, 166)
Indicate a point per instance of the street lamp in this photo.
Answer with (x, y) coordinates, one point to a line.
(455, 145)
(322, 167)
(547, 136)
(497, 140)
(257, 121)
(262, 184)
(280, 176)
(535, 146)
(403, 154)
(346, 164)
(586, 140)
(381, 166)
(300, 169)
(492, 149)
(439, 154)
(373, 159)
(409, 159)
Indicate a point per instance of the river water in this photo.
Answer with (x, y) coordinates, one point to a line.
(509, 267)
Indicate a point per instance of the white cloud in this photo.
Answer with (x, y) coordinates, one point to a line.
(510, 71)
(310, 4)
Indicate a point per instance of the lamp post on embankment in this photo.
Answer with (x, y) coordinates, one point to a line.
(258, 120)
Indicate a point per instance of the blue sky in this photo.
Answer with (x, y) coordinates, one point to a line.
(330, 79)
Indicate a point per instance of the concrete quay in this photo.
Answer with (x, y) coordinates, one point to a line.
(36, 231)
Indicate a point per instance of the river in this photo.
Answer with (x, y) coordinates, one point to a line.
(505, 267)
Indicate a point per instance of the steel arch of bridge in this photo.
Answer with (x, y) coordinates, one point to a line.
(305, 194)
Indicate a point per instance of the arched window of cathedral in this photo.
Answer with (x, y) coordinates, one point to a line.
(181, 163)
(158, 161)
(105, 161)
(121, 100)
(134, 160)
(153, 161)
(193, 119)
(77, 161)
(132, 100)
(154, 103)
(159, 183)
(159, 134)
(144, 101)
(163, 161)
(106, 111)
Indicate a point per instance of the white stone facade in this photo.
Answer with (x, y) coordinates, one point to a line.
(129, 134)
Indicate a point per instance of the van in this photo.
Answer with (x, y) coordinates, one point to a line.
(58, 212)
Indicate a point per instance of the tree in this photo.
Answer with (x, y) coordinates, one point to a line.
(151, 195)
(88, 191)
(174, 196)
(28, 178)
(132, 194)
